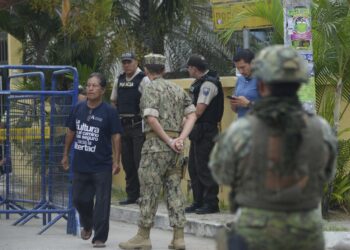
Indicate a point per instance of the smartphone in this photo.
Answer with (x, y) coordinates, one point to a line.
(231, 97)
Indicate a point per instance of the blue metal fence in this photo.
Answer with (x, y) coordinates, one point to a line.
(33, 184)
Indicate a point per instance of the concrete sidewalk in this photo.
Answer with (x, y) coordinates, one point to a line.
(26, 238)
(207, 225)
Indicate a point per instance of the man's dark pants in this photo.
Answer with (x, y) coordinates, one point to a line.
(132, 141)
(204, 187)
(86, 187)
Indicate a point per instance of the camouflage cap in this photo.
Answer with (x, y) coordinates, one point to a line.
(154, 59)
(280, 64)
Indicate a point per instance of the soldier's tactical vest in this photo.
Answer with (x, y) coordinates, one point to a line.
(213, 113)
(264, 182)
(128, 99)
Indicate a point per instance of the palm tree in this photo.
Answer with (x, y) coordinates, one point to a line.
(332, 60)
(33, 29)
(269, 10)
(174, 27)
(332, 50)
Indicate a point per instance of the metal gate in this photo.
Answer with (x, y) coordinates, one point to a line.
(33, 184)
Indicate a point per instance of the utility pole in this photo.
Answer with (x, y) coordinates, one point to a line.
(297, 33)
(246, 41)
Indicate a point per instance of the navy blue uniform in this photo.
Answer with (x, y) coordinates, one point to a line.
(128, 104)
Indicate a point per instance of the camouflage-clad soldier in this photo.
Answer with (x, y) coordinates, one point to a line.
(276, 159)
(164, 105)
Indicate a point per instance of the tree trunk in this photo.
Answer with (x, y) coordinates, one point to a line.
(144, 25)
(336, 117)
(153, 40)
(337, 104)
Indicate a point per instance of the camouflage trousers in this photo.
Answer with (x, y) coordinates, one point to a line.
(270, 230)
(157, 171)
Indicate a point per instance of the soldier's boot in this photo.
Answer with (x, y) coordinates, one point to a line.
(140, 241)
(178, 241)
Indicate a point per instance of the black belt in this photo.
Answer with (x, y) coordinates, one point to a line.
(134, 120)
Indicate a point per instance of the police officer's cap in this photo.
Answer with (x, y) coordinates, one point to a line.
(128, 56)
(154, 59)
(197, 61)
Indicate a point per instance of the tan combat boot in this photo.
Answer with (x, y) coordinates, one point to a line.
(178, 242)
(140, 241)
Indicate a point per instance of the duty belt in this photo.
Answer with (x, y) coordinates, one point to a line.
(152, 134)
(134, 120)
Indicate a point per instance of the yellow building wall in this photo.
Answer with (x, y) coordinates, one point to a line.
(14, 51)
(223, 14)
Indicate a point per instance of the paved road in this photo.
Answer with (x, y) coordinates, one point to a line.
(26, 238)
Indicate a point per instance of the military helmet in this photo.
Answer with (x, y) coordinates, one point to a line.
(155, 59)
(280, 64)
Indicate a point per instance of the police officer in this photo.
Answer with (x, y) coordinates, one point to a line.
(126, 94)
(207, 95)
(277, 159)
(164, 105)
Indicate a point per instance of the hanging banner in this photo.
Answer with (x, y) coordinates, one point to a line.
(224, 13)
(297, 33)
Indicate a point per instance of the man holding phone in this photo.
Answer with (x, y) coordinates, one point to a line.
(246, 92)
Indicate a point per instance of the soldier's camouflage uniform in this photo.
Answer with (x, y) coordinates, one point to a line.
(277, 200)
(158, 167)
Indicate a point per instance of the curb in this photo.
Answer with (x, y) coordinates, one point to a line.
(208, 226)
(198, 227)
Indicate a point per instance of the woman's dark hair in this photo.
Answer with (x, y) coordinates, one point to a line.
(155, 68)
(283, 89)
(100, 77)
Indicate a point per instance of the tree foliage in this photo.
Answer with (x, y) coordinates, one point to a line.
(331, 51)
(269, 10)
(95, 33)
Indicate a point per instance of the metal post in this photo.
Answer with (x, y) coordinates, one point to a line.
(246, 41)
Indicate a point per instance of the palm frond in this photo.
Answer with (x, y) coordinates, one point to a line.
(270, 11)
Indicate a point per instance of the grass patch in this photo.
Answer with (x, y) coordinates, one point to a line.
(118, 194)
(334, 228)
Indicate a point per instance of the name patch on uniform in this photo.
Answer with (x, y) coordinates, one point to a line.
(206, 91)
(126, 84)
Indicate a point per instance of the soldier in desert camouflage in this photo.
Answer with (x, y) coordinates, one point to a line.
(276, 159)
(163, 105)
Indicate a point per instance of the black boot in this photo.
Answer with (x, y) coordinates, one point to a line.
(207, 209)
(192, 208)
(128, 201)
